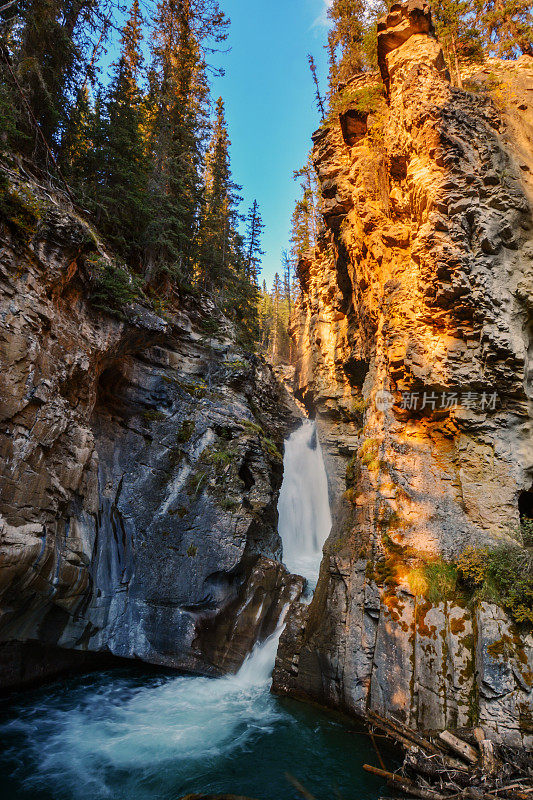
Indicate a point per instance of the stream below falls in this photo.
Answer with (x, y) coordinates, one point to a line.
(133, 734)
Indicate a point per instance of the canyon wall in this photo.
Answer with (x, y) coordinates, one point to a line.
(415, 352)
(140, 466)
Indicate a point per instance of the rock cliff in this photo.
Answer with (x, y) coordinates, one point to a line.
(414, 334)
(140, 466)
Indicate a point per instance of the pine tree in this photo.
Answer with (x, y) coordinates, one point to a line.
(178, 100)
(123, 193)
(266, 319)
(221, 216)
(288, 273)
(76, 140)
(279, 344)
(254, 229)
(506, 27)
(318, 96)
(304, 217)
(45, 42)
(276, 302)
(345, 38)
(460, 40)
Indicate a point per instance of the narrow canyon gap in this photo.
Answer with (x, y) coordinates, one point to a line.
(141, 736)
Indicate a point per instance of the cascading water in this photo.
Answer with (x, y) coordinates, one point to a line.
(143, 736)
(304, 515)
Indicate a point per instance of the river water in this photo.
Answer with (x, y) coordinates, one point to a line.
(150, 735)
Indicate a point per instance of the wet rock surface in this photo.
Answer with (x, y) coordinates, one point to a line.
(140, 469)
(419, 288)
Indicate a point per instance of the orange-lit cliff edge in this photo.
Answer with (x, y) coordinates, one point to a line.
(421, 282)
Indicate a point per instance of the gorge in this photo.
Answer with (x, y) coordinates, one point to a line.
(142, 735)
(184, 527)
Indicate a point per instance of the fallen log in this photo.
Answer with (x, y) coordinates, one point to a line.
(408, 786)
(435, 767)
(403, 730)
(488, 759)
(462, 749)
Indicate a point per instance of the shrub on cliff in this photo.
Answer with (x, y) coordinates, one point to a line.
(114, 287)
(19, 208)
(511, 570)
(502, 575)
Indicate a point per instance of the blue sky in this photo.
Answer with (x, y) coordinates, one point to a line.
(270, 105)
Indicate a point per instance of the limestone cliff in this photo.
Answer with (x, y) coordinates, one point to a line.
(140, 465)
(414, 334)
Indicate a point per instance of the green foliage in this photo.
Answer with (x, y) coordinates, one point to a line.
(352, 470)
(209, 326)
(252, 427)
(123, 195)
(368, 453)
(153, 415)
(472, 566)
(526, 532)
(271, 448)
(274, 317)
(46, 42)
(511, 572)
(305, 217)
(135, 148)
(441, 577)
(220, 458)
(114, 286)
(11, 137)
(186, 431)
(359, 405)
(196, 483)
(197, 390)
(219, 244)
(417, 581)
(228, 504)
(351, 38)
(467, 31)
(19, 208)
(502, 575)
(192, 550)
(366, 100)
(505, 29)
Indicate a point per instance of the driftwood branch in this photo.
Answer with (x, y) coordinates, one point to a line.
(479, 769)
(458, 746)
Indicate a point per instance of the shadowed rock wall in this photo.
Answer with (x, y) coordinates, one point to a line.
(140, 467)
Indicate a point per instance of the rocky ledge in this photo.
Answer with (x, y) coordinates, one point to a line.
(414, 334)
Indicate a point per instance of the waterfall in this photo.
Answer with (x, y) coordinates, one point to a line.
(170, 730)
(304, 515)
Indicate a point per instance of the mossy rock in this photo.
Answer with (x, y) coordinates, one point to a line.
(186, 431)
(153, 415)
(21, 210)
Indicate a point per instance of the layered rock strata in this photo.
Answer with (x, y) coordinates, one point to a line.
(140, 467)
(414, 333)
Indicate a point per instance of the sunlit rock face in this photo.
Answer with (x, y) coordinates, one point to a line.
(140, 463)
(420, 288)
